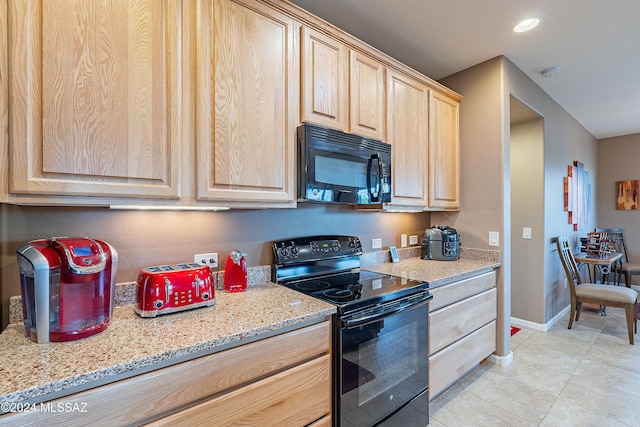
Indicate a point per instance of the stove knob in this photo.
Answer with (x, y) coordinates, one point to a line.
(158, 304)
(294, 249)
(284, 251)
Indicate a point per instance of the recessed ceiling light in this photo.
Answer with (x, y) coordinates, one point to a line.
(526, 25)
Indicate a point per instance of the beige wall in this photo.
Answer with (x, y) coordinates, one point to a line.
(565, 141)
(619, 160)
(149, 238)
(486, 184)
(482, 174)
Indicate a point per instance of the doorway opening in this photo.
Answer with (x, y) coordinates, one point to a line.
(527, 212)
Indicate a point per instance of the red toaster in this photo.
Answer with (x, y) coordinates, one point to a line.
(163, 289)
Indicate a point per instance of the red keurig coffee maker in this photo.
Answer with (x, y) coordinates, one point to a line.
(67, 286)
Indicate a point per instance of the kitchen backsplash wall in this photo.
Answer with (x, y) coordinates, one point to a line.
(144, 238)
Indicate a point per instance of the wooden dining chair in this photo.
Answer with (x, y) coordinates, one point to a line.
(606, 295)
(616, 236)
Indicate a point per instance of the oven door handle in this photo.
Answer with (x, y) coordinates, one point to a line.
(386, 311)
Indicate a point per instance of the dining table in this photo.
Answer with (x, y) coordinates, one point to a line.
(602, 265)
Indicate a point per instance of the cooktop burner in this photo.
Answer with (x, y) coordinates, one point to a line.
(355, 289)
(312, 286)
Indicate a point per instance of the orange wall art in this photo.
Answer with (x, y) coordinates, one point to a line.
(628, 195)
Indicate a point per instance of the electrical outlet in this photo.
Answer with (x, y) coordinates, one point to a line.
(210, 259)
(403, 240)
(413, 240)
(376, 243)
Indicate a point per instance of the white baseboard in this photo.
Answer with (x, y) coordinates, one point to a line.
(503, 361)
(544, 327)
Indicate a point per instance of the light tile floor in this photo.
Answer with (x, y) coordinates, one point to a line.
(585, 376)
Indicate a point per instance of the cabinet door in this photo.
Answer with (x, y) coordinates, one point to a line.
(325, 84)
(444, 154)
(95, 98)
(366, 106)
(407, 122)
(245, 112)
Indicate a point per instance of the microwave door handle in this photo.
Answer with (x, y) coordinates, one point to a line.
(375, 197)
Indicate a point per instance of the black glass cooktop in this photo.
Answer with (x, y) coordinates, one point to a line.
(353, 290)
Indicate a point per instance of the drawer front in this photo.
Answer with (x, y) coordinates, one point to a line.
(322, 422)
(452, 362)
(457, 291)
(295, 397)
(454, 321)
(162, 391)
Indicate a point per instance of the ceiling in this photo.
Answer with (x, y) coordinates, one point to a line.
(596, 44)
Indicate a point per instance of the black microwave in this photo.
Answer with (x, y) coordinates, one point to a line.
(338, 167)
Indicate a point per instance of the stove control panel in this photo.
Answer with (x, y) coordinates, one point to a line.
(325, 246)
(314, 248)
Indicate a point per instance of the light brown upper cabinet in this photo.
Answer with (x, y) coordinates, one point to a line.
(324, 79)
(444, 153)
(408, 134)
(367, 93)
(341, 88)
(94, 98)
(196, 103)
(246, 102)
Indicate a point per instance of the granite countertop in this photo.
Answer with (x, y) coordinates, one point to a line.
(32, 373)
(438, 273)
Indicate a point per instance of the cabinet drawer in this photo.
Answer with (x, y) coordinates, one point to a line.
(454, 321)
(146, 396)
(322, 422)
(295, 397)
(457, 291)
(452, 362)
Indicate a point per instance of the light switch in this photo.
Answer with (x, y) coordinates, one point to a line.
(494, 238)
(526, 232)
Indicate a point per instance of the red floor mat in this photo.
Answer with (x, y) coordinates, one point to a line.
(514, 330)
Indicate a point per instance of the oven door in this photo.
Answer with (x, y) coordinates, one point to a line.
(383, 361)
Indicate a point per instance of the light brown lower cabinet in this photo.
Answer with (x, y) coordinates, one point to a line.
(462, 329)
(293, 397)
(322, 422)
(450, 364)
(281, 380)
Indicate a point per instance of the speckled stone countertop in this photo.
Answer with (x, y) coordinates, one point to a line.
(472, 262)
(31, 372)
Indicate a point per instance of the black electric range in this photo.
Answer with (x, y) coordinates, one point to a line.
(380, 329)
(328, 268)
